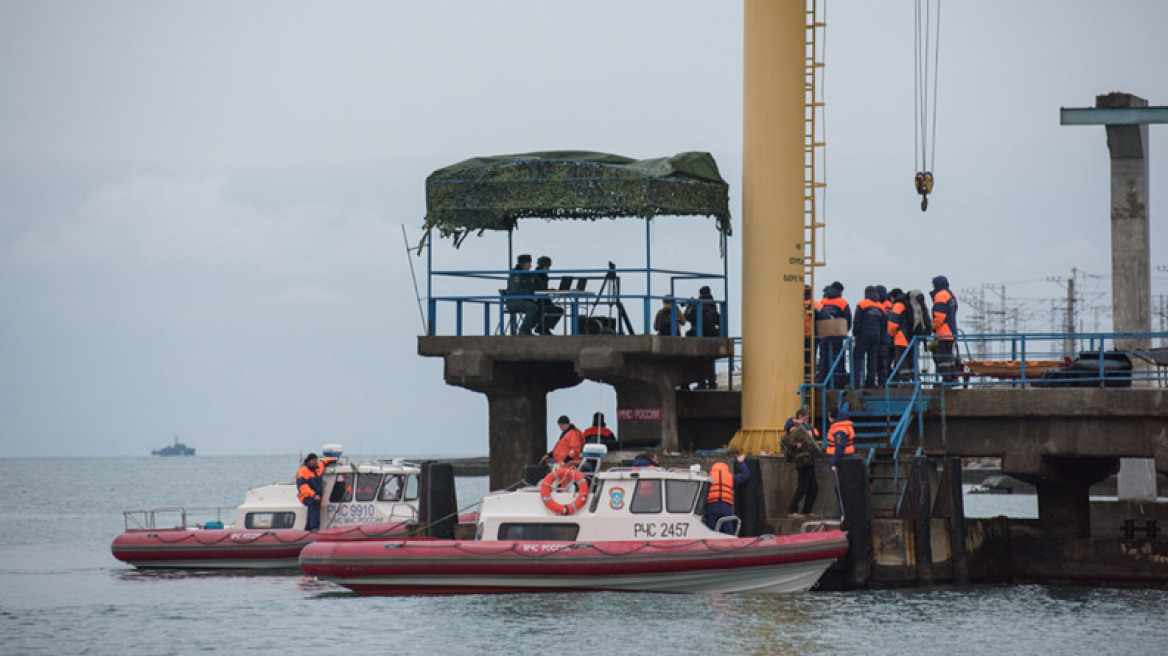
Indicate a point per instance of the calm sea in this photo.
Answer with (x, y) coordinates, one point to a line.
(61, 592)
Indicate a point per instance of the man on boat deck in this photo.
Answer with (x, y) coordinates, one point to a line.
(310, 487)
(568, 448)
(720, 500)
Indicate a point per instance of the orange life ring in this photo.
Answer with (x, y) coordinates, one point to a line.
(563, 477)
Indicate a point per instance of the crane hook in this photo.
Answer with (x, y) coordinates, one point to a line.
(924, 182)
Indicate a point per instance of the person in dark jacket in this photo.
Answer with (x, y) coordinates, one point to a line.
(703, 317)
(832, 306)
(549, 312)
(521, 284)
(720, 500)
(800, 445)
(646, 459)
(870, 321)
(663, 323)
(309, 489)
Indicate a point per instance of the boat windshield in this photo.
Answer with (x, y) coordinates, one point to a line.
(646, 497)
(680, 495)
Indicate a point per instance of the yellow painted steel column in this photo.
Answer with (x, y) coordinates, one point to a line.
(772, 220)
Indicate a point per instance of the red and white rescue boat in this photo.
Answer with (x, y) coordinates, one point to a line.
(622, 529)
(361, 500)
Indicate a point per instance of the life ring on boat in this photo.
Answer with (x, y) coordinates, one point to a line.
(563, 477)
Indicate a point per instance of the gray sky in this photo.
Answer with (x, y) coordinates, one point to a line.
(201, 203)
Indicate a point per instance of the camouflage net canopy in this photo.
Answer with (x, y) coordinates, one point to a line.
(493, 193)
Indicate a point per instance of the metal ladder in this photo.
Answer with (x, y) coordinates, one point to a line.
(813, 184)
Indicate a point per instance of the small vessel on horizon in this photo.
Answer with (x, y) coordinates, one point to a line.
(176, 449)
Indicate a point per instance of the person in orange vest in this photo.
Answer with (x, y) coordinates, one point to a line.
(841, 437)
(720, 500)
(568, 448)
(945, 328)
(884, 354)
(599, 432)
(310, 487)
(832, 306)
(867, 329)
(898, 332)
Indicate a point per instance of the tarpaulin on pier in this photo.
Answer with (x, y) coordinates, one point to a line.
(493, 193)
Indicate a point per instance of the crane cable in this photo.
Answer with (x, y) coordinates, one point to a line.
(928, 33)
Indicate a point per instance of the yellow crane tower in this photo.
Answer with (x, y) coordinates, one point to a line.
(779, 223)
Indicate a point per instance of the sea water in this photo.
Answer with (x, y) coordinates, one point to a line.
(61, 592)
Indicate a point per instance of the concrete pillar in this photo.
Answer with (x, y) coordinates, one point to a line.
(1063, 485)
(1064, 510)
(1131, 282)
(517, 433)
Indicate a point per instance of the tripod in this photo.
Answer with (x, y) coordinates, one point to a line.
(611, 285)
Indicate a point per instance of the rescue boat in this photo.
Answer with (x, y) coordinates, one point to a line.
(361, 500)
(626, 529)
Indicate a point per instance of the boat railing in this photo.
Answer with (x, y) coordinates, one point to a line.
(176, 517)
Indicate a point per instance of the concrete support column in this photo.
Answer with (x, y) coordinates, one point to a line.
(1064, 510)
(518, 434)
(1063, 485)
(1131, 283)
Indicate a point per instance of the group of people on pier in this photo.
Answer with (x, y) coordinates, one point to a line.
(882, 327)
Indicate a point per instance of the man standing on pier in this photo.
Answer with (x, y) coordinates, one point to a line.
(945, 328)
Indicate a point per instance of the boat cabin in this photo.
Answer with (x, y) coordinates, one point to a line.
(354, 493)
(645, 503)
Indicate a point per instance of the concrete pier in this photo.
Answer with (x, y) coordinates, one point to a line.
(517, 373)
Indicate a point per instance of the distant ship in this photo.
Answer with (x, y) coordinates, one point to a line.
(176, 449)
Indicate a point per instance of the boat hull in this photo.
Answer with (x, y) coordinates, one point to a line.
(232, 548)
(785, 564)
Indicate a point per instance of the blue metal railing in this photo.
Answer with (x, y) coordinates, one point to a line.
(1109, 360)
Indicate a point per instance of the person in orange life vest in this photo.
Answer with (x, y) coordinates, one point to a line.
(945, 328)
(720, 500)
(884, 354)
(568, 448)
(310, 487)
(832, 306)
(841, 437)
(898, 333)
(599, 432)
(870, 322)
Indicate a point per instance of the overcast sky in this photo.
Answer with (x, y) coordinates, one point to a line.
(201, 203)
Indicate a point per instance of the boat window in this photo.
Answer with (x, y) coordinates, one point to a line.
(535, 531)
(269, 520)
(679, 495)
(411, 488)
(646, 497)
(392, 490)
(596, 496)
(703, 491)
(342, 491)
(367, 486)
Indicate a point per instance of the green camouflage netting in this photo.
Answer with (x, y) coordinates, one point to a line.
(493, 193)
